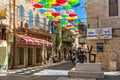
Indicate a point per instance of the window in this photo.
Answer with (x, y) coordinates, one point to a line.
(113, 7)
(100, 47)
(21, 12)
(30, 13)
(38, 55)
(21, 56)
(37, 19)
(45, 21)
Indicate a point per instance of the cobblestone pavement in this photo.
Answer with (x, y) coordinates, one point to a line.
(62, 66)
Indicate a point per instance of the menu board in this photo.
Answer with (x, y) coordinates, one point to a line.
(3, 59)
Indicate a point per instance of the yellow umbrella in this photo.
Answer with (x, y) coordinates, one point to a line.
(52, 2)
(47, 14)
(37, 0)
(75, 17)
(59, 17)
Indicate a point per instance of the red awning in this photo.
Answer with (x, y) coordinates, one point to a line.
(34, 41)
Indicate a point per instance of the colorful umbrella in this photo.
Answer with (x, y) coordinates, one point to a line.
(37, 6)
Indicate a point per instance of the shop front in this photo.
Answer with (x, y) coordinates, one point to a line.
(30, 51)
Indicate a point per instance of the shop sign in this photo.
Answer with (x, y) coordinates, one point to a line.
(3, 59)
(99, 33)
(2, 13)
(10, 37)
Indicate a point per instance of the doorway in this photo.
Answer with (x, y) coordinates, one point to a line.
(30, 56)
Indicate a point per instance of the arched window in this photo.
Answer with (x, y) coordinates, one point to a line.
(30, 13)
(21, 12)
(113, 7)
(44, 19)
(52, 28)
(37, 20)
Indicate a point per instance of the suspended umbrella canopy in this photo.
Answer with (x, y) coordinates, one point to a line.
(62, 12)
(75, 34)
(67, 28)
(56, 21)
(43, 10)
(64, 23)
(37, 0)
(52, 2)
(46, 0)
(58, 9)
(67, 7)
(69, 25)
(56, 4)
(51, 17)
(52, 10)
(75, 17)
(70, 11)
(56, 14)
(70, 20)
(47, 6)
(37, 5)
(64, 26)
(77, 30)
(76, 21)
(59, 17)
(65, 16)
(42, 3)
(81, 25)
(47, 14)
(73, 2)
(64, 4)
(61, 1)
(72, 28)
(72, 14)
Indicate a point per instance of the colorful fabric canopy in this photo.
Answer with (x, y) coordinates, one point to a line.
(61, 12)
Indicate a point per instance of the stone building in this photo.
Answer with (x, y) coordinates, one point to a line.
(105, 14)
(30, 39)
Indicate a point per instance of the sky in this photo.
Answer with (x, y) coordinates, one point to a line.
(80, 11)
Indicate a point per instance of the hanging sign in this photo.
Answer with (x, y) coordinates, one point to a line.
(99, 33)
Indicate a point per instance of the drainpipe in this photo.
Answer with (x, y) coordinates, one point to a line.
(14, 29)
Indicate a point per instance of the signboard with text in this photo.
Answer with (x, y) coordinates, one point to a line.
(99, 33)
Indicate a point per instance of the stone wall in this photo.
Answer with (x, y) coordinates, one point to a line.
(98, 16)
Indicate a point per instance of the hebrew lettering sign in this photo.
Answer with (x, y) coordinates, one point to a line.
(99, 33)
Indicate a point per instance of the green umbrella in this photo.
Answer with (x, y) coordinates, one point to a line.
(67, 7)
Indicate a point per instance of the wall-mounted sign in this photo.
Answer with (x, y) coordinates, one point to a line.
(99, 33)
(10, 37)
(100, 47)
(3, 13)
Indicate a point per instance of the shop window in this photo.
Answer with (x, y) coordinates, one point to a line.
(38, 55)
(21, 56)
(100, 47)
(113, 7)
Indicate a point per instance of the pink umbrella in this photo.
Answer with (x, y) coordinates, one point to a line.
(62, 12)
(32, 2)
(65, 4)
(52, 10)
(70, 11)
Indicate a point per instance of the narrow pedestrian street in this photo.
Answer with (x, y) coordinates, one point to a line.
(57, 71)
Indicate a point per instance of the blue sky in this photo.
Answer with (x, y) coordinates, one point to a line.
(80, 11)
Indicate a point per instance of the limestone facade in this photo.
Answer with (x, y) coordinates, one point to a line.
(35, 51)
(98, 17)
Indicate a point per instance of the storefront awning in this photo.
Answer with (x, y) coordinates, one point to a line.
(34, 41)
